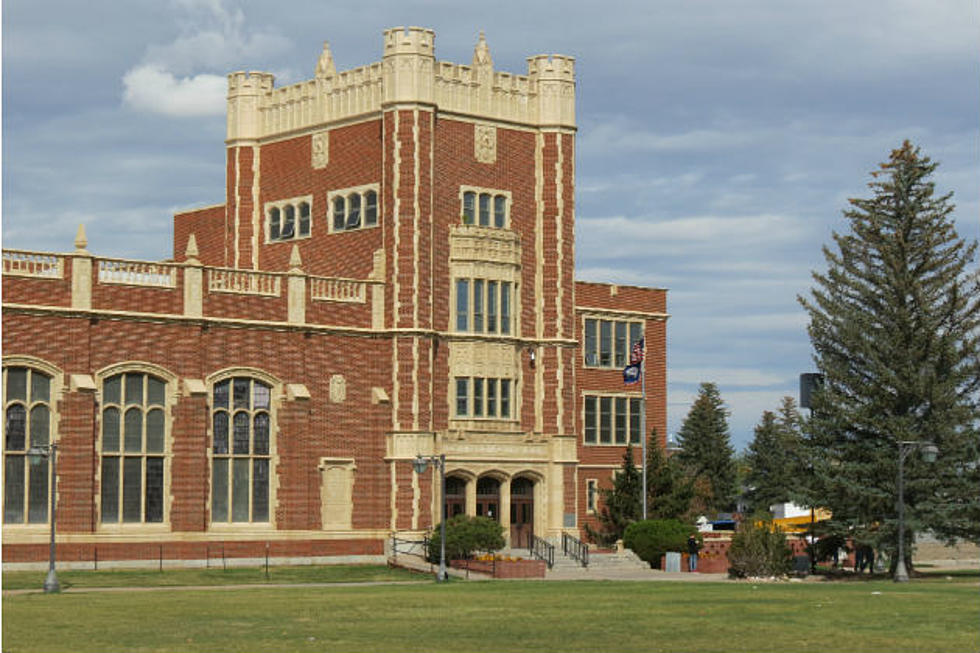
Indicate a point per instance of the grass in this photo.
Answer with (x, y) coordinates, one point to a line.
(506, 616)
(16, 580)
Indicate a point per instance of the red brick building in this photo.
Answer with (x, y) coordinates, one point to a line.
(392, 274)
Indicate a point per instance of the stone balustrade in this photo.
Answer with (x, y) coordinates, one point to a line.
(82, 281)
(138, 273)
(338, 290)
(244, 282)
(33, 264)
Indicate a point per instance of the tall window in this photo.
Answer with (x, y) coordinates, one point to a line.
(612, 420)
(490, 397)
(240, 454)
(27, 423)
(487, 308)
(608, 342)
(133, 447)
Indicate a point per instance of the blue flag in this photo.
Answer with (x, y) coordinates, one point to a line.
(631, 374)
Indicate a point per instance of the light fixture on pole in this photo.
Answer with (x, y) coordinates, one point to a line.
(35, 455)
(421, 464)
(929, 453)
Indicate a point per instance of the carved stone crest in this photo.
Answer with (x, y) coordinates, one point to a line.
(321, 149)
(338, 389)
(485, 143)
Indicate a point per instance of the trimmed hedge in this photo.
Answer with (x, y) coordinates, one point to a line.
(465, 535)
(652, 538)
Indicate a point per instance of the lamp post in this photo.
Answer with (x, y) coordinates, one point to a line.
(929, 453)
(35, 455)
(421, 463)
(810, 383)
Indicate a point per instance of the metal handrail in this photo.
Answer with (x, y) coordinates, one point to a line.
(409, 547)
(542, 550)
(576, 548)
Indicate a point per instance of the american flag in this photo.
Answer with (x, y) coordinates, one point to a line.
(636, 356)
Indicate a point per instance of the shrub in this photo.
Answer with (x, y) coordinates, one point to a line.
(464, 535)
(652, 538)
(759, 548)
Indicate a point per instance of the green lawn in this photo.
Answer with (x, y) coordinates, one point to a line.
(939, 615)
(15, 580)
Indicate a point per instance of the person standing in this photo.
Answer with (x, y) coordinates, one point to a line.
(692, 553)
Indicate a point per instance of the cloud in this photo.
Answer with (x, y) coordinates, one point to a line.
(150, 88)
(645, 236)
(186, 76)
(727, 376)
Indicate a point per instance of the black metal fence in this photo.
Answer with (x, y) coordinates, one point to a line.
(575, 548)
(542, 550)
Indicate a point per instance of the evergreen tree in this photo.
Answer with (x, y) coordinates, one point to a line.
(619, 505)
(774, 458)
(706, 451)
(895, 326)
(669, 491)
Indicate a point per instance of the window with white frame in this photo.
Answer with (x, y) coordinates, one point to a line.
(133, 449)
(608, 342)
(486, 208)
(484, 398)
(612, 419)
(27, 423)
(353, 208)
(288, 219)
(484, 305)
(241, 449)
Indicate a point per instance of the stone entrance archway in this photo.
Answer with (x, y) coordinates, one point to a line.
(488, 498)
(455, 496)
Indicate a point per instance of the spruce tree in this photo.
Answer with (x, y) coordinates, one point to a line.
(774, 458)
(706, 451)
(619, 505)
(669, 491)
(895, 327)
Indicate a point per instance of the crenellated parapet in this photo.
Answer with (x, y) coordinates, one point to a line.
(407, 74)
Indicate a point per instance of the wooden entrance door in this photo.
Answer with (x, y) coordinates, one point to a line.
(455, 497)
(488, 498)
(521, 512)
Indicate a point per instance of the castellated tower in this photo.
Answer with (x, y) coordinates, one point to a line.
(452, 183)
(391, 274)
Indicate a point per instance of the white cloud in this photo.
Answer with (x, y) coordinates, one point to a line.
(178, 78)
(150, 88)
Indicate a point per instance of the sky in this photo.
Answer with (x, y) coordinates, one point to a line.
(718, 140)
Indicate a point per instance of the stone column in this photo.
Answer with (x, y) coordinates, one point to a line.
(81, 272)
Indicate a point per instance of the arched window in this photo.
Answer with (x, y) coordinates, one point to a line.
(353, 211)
(134, 434)
(370, 208)
(353, 208)
(27, 423)
(486, 207)
(304, 219)
(274, 224)
(469, 207)
(288, 221)
(241, 450)
(339, 219)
